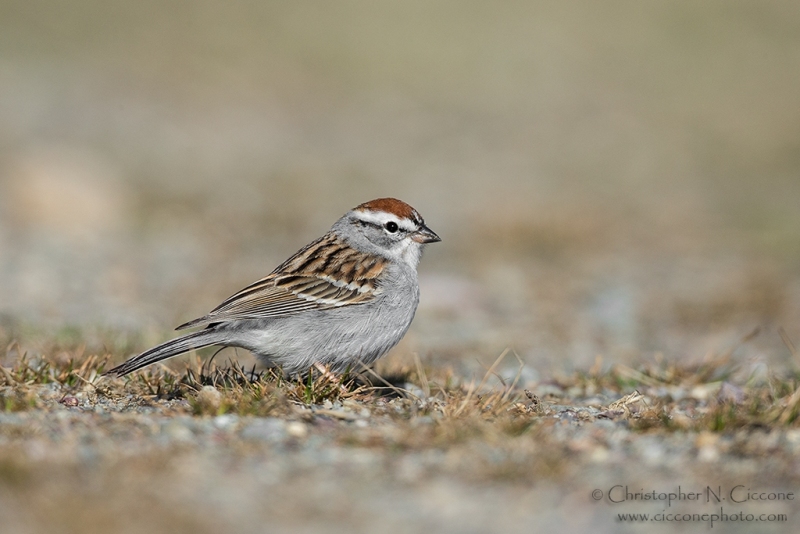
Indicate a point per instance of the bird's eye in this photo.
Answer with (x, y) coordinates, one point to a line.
(391, 227)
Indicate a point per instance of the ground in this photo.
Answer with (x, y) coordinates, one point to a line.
(223, 448)
(616, 188)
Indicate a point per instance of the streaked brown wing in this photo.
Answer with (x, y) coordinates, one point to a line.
(298, 285)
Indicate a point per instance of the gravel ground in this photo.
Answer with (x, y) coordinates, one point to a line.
(616, 189)
(569, 456)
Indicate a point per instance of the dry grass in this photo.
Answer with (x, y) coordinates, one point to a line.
(663, 395)
(161, 438)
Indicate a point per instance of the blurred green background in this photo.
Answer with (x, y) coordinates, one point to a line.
(613, 178)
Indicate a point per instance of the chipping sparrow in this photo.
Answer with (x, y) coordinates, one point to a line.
(347, 297)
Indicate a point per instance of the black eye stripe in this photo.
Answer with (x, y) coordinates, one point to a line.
(397, 227)
(368, 223)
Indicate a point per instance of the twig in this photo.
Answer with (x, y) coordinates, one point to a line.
(426, 388)
(402, 392)
(491, 369)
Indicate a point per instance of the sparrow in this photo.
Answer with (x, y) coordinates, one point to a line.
(340, 301)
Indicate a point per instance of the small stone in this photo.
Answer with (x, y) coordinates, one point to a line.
(225, 421)
(297, 430)
(599, 455)
(177, 431)
(209, 399)
(793, 436)
(704, 391)
(69, 400)
(414, 390)
(708, 453)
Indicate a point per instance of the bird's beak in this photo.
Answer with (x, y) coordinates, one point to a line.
(425, 235)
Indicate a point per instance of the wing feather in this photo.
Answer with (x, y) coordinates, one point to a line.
(297, 285)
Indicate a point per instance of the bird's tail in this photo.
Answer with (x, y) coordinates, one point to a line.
(171, 348)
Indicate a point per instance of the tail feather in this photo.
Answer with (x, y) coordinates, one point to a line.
(171, 348)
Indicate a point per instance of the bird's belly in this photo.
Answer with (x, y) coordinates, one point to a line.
(338, 338)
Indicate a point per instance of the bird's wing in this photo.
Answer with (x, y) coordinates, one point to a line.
(325, 274)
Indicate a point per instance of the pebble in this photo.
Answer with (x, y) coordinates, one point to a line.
(224, 422)
(178, 431)
(296, 429)
(70, 401)
(209, 399)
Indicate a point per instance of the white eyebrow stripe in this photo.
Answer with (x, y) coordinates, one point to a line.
(380, 218)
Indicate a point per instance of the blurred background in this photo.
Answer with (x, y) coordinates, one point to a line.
(618, 179)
